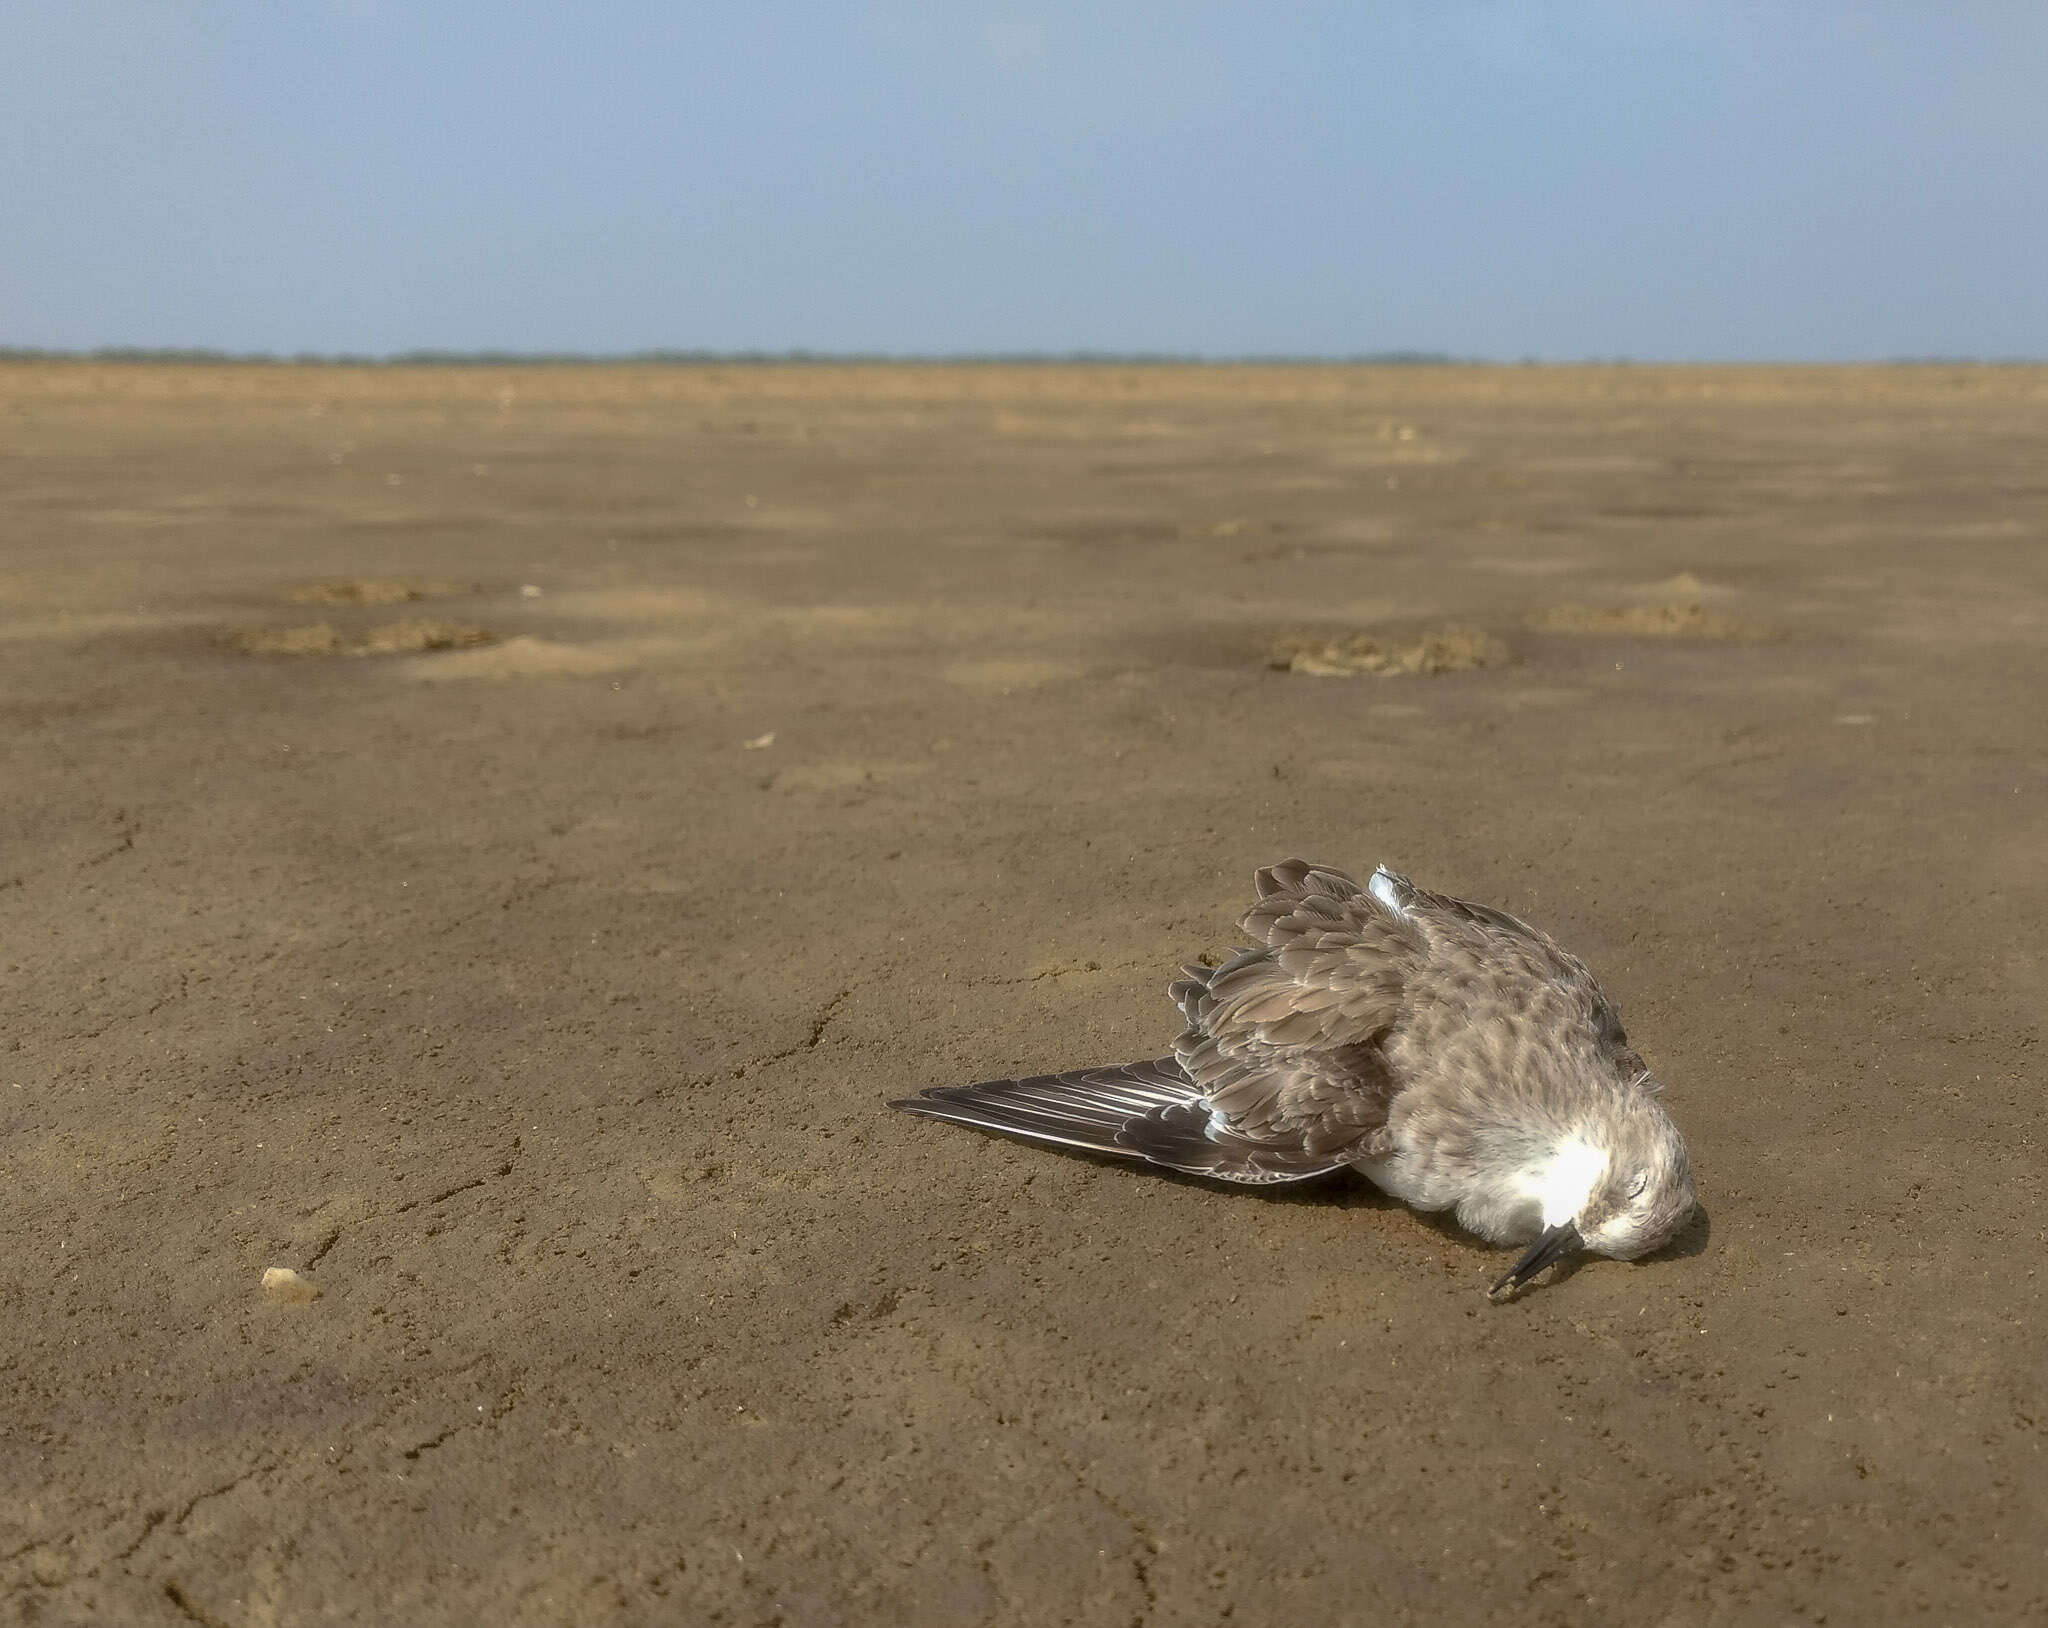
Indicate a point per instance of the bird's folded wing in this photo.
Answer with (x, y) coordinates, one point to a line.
(1284, 1041)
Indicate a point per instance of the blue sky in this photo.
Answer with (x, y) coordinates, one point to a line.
(1658, 180)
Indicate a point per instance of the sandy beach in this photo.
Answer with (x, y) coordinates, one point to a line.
(492, 840)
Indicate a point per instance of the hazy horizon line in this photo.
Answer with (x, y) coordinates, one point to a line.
(165, 355)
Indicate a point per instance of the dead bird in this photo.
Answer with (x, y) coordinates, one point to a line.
(1461, 1059)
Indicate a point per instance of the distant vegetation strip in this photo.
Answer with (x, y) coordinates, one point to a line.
(161, 356)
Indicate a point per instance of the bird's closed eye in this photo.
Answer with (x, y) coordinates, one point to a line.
(1642, 1186)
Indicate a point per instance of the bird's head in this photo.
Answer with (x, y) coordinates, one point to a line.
(1622, 1188)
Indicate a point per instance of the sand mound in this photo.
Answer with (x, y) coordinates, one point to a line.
(1680, 620)
(407, 637)
(373, 590)
(1445, 650)
(529, 657)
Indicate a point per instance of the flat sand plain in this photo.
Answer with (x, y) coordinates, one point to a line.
(493, 840)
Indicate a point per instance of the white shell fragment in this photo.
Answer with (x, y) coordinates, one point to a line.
(282, 1284)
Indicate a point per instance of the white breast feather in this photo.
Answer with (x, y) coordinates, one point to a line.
(1567, 1181)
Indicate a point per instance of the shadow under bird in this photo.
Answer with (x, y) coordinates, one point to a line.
(1458, 1057)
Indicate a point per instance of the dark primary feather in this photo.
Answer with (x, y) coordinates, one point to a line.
(1083, 1108)
(1143, 1110)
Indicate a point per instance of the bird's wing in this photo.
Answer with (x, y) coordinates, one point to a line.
(1283, 1040)
(1147, 1110)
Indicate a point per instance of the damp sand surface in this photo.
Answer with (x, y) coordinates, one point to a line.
(762, 744)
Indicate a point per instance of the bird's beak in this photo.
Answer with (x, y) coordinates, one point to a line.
(1556, 1243)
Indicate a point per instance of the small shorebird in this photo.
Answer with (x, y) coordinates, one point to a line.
(1454, 1054)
